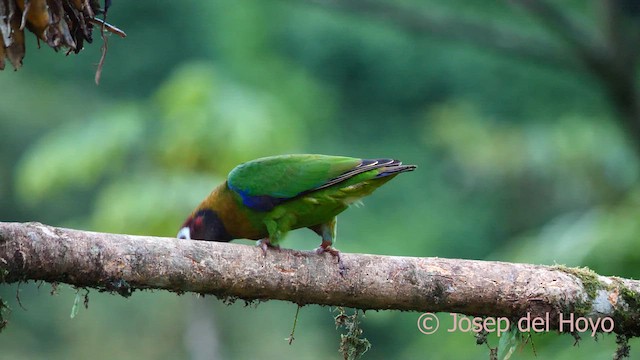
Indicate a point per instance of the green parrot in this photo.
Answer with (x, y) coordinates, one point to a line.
(267, 197)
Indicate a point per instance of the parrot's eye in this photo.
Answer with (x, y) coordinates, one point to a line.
(204, 225)
(193, 228)
(196, 224)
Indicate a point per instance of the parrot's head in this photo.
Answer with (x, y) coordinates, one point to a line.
(204, 224)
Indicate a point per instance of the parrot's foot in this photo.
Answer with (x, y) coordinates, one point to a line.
(265, 244)
(326, 247)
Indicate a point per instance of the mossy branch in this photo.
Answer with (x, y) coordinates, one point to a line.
(124, 263)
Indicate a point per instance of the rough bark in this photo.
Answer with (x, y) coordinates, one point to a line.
(123, 263)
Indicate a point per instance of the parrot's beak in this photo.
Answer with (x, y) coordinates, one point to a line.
(184, 233)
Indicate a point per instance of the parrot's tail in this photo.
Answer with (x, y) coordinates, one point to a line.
(388, 167)
(393, 167)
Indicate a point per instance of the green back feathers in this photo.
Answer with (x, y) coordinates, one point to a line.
(267, 182)
(287, 176)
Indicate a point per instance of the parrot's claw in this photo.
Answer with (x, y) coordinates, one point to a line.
(265, 244)
(326, 247)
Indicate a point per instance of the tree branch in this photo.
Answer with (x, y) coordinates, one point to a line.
(123, 263)
(610, 54)
(586, 44)
(476, 33)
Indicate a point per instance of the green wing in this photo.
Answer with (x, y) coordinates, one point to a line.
(266, 182)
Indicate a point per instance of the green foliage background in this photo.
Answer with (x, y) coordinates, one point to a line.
(518, 161)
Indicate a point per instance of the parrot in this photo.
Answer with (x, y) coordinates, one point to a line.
(264, 199)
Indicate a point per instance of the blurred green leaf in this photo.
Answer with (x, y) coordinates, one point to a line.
(508, 343)
(76, 305)
(78, 154)
(210, 123)
(149, 203)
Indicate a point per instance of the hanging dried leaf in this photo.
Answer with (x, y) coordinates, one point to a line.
(58, 23)
(2, 53)
(5, 21)
(35, 16)
(15, 47)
